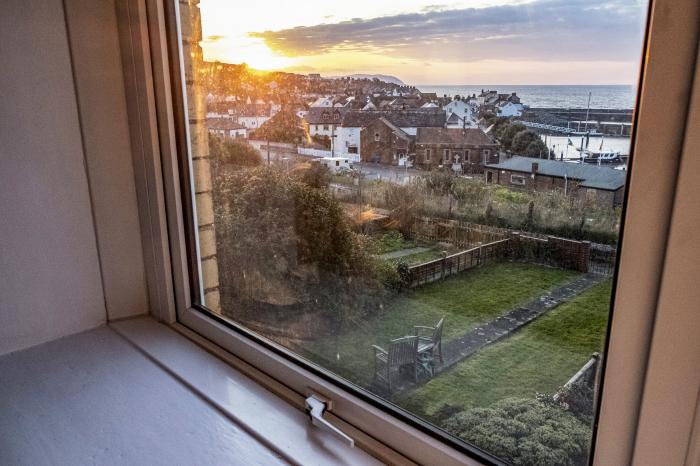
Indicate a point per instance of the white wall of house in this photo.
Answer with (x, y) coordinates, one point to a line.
(322, 130)
(510, 110)
(347, 137)
(231, 133)
(252, 122)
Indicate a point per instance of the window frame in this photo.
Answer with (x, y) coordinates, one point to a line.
(155, 98)
(521, 179)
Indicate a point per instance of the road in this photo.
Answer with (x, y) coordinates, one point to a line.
(373, 171)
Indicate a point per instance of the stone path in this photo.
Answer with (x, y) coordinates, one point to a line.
(477, 338)
(403, 252)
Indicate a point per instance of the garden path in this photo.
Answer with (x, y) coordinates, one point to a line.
(477, 338)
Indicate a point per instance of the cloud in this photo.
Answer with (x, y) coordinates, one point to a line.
(549, 30)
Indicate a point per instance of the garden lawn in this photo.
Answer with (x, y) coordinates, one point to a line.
(539, 358)
(465, 300)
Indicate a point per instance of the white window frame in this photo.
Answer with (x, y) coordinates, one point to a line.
(625, 422)
(518, 180)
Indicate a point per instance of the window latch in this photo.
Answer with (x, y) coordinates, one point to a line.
(316, 406)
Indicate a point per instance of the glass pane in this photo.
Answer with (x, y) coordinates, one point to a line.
(447, 246)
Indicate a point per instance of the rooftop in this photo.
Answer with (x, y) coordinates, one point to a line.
(415, 118)
(591, 176)
(223, 123)
(465, 136)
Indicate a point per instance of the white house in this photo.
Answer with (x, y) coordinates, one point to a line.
(322, 102)
(324, 121)
(252, 121)
(347, 141)
(456, 121)
(509, 109)
(226, 128)
(463, 111)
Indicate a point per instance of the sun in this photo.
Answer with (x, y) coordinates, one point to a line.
(255, 53)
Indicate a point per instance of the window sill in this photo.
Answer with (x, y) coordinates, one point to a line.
(278, 425)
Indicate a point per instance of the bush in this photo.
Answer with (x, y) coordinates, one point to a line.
(525, 432)
(234, 152)
(314, 175)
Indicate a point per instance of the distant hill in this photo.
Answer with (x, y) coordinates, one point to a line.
(381, 77)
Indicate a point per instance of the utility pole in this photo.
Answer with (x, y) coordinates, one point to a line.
(268, 150)
(332, 141)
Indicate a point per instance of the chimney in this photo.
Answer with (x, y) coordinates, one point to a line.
(535, 167)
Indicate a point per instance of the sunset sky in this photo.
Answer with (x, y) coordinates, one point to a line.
(420, 42)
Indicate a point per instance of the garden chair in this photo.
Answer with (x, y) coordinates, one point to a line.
(402, 352)
(430, 339)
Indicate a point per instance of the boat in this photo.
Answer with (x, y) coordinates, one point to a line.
(602, 156)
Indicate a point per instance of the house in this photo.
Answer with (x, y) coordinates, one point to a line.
(603, 185)
(348, 137)
(227, 128)
(509, 109)
(322, 102)
(323, 121)
(464, 150)
(464, 114)
(383, 142)
(492, 101)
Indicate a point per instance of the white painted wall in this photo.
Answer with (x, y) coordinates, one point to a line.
(51, 283)
(346, 137)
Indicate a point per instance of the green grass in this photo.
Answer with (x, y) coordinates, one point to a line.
(465, 301)
(392, 242)
(539, 358)
(420, 258)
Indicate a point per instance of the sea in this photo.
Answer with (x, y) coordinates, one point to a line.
(560, 96)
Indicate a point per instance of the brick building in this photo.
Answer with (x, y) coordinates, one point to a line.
(464, 150)
(603, 185)
(383, 142)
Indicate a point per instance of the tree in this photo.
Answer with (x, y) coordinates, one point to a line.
(525, 432)
(282, 241)
(285, 126)
(440, 182)
(509, 132)
(529, 144)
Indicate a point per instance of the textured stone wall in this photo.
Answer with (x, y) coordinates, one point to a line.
(201, 163)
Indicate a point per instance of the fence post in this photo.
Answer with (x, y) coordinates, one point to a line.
(584, 255)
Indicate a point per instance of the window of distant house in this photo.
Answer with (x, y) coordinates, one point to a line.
(517, 179)
(328, 267)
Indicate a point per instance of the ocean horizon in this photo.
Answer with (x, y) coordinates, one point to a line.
(550, 95)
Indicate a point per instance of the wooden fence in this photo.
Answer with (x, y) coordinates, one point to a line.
(441, 268)
(461, 234)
